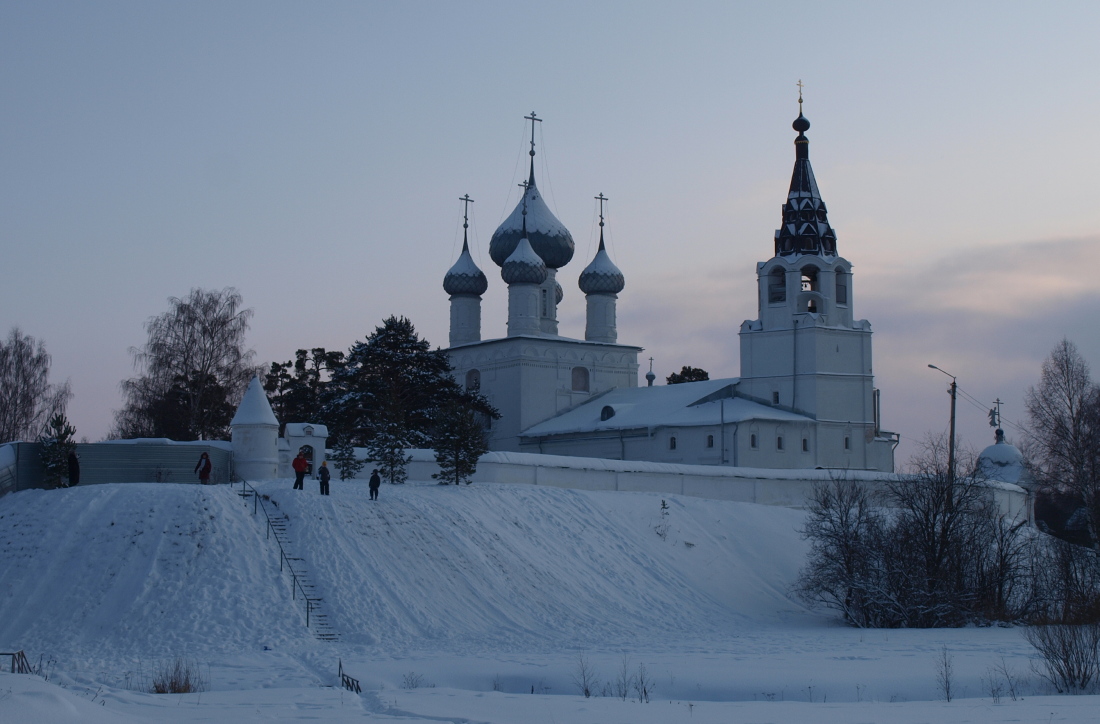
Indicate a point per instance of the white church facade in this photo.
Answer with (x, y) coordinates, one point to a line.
(805, 397)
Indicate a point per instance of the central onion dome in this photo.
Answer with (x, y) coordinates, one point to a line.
(601, 276)
(549, 238)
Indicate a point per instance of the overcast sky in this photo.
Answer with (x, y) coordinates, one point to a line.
(312, 156)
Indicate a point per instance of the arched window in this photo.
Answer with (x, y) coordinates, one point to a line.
(810, 284)
(473, 380)
(752, 441)
(607, 412)
(710, 440)
(580, 379)
(805, 445)
(672, 443)
(307, 453)
(779, 442)
(841, 286)
(777, 286)
(847, 443)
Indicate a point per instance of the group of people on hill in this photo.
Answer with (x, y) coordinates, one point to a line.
(301, 466)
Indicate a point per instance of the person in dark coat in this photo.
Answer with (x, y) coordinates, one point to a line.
(300, 466)
(323, 474)
(203, 468)
(375, 483)
(74, 468)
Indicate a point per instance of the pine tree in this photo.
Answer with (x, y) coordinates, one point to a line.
(389, 394)
(687, 374)
(343, 457)
(388, 449)
(57, 442)
(459, 441)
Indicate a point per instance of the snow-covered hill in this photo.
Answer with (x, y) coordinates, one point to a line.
(487, 596)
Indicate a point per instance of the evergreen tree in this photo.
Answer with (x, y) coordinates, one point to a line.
(296, 388)
(389, 394)
(459, 441)
(687, 374)
(57, 442)
(343, 457)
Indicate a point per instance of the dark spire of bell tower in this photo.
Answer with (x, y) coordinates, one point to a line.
(805, 228)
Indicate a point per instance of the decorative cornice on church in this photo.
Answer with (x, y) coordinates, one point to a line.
(805, 228)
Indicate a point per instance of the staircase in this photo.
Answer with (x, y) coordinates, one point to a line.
(301, 585)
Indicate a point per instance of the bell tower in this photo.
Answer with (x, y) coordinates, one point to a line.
(806, 352)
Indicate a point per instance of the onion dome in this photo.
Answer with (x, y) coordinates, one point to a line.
(464, 279)
(601, 276)
(523, 266)
(1004, 462)
(550, 240)
(559, 293)
(806, 228)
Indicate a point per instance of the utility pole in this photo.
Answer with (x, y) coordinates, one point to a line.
(951, 442)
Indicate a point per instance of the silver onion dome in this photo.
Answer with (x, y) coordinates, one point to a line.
(601, 276)
(523, 265)
(465, 279)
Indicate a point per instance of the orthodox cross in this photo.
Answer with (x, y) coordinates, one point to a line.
(466, 210)
(601, 198)
(532, 118)
(800, 87)
(995, 414)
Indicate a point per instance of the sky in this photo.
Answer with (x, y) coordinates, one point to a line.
(312, 156)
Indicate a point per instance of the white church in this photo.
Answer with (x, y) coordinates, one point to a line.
(805, 398)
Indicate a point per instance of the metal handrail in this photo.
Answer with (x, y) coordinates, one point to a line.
(19, 663)
(295, 582)
(347, 682)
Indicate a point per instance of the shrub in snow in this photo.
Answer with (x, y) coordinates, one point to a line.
(181, 676)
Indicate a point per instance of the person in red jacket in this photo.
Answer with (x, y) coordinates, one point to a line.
(300, 465)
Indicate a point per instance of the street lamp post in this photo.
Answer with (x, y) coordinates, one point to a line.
(951, 440)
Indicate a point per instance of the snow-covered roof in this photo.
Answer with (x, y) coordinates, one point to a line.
(662, 406)
(298, 429)
(219, 444)
(1003, 462)
(254, 408)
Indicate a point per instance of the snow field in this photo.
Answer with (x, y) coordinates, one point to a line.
(485, 593)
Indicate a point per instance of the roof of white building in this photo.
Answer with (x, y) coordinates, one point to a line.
(679, 405)
(299, 429)
(254, 408)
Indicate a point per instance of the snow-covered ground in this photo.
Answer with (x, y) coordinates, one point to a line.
(486, 597)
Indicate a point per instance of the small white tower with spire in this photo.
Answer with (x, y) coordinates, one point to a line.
(255, 436)
(601, 281)
(465, 282)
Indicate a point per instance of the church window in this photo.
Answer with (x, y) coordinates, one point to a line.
(545, 310)
(710, 440)
(580, 379)
(775, 397)
(777, 286)
(847, 443)
(607, 412)
(805, 445)
(779, 443)
(473, 380)
(752, 441)
(672, 443)
(809, 279)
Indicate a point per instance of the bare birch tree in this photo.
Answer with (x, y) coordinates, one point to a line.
(27, 399)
